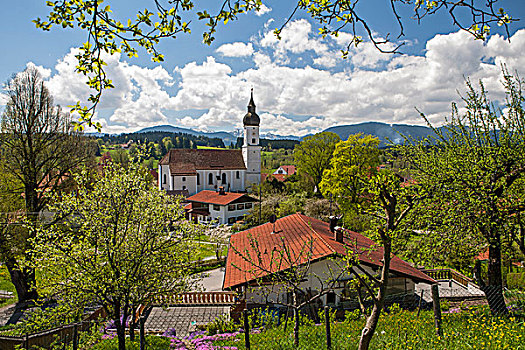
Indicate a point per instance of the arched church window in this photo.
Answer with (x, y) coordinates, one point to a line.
(238, 174)
(223, 179)
(198, 179)
(210, 179)
(164, 178)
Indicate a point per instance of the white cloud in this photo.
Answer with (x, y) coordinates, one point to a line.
(302, 99)
(237, 49)
(263, 10)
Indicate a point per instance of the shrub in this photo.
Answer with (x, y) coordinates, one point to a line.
(516, 281)
(221, 325)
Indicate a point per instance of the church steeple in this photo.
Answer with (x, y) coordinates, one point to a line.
(251, 118)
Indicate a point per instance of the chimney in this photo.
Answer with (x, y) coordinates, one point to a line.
(333, 222)
(221, 191)
(338, 234)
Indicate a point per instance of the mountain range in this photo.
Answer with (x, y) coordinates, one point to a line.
(386, 133)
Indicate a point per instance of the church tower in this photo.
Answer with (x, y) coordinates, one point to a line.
(251, 150)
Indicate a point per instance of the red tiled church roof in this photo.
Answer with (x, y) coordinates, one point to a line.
(187, 161)
(295, 231)
(214, 197)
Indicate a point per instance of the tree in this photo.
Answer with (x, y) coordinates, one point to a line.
(472, 171)
(312, 156)
(124, 243)
(107, 35)
(40, 151)
(357, 186)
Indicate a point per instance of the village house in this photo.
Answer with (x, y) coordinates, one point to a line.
(195, 170)
(326, 244)
(285, 170)
(218, 207)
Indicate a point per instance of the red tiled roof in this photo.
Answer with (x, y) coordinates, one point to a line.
(279, 177)
(187, 161)
(213, 197)
(296, 230)
(290, 169)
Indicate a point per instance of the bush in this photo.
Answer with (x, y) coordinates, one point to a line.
(221, 325)
(516, 281)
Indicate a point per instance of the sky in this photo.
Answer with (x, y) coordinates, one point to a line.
(301, 83)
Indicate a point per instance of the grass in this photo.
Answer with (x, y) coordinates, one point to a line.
(209, 147)
(400, 330)
(5, 284)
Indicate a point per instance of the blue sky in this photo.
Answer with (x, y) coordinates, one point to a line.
(301, 84)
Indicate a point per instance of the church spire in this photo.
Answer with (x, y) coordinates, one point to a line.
(251, 118)
(251, 104)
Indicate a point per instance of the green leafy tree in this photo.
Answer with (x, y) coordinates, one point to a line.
(358, 187)
(353, 160)
(312, 156)
(170, 18)
(472, 170)
(40, 150)
(124, 244)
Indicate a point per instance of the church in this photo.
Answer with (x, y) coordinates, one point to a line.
(189, 171)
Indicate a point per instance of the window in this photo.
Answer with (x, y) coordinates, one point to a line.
(231, 220)
(231, 207)
(224, 179)
(183, 179)
(183, 188)
(240, 218)
(247, 205)
(198, 179)
(210, 179)
(253, 140)
(240, 206)
(216, 207)
(238, 174)
(164, 179)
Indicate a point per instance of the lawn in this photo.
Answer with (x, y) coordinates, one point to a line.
(5, 284)
(400, 329)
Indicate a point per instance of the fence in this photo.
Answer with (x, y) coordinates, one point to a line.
(197, 298)
(64, 334)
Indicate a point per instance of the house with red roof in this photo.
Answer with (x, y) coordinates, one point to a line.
(218, 207)
(327, 246)
(285, 170)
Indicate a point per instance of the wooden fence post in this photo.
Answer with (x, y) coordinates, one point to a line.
(420, 301)
(141, 333)
(437, 309)
(75, 336)
(246, 330)
(327, 325)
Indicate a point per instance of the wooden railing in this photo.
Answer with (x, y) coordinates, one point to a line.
(6, 295)
(198, 298)
(447, 275)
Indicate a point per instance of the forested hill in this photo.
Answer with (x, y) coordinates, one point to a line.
(385, 132)
(178, 140)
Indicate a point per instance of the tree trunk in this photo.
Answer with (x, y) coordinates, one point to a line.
(296, 320)
(120, 325)
(23, 280)
(373, 319)
(494, 289)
